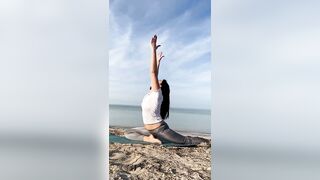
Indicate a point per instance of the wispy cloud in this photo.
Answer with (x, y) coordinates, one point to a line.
(183, 28)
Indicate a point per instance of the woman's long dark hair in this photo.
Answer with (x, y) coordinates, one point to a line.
(165, 106)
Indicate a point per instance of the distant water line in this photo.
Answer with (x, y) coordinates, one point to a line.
(192, 120)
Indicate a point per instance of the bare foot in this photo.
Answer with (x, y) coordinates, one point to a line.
(151, 139)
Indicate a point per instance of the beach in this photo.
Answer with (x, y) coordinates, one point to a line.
(152, 161)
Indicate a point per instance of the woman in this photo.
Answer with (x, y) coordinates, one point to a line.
(156, 105)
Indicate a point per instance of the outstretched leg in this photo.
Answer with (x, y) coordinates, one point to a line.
(165, 134)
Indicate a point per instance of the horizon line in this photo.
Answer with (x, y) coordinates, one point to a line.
(170, 107)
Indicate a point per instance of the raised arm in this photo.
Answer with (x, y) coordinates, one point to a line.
(154, 65)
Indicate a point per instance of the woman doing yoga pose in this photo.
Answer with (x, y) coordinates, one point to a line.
(156, 105)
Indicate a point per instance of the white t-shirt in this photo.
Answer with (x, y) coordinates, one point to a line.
(151, 105)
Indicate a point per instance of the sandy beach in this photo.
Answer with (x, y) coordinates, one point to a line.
(151, 161)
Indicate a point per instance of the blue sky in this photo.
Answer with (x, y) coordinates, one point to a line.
(184, 31)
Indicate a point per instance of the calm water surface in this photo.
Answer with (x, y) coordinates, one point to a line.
(192, 120)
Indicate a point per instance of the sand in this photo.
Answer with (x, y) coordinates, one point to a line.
(151, 161)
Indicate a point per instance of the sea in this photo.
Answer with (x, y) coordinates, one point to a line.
(180, 119)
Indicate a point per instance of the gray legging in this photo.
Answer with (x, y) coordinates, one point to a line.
(167, 135)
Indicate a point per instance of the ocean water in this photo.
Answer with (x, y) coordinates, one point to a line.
(189, 120)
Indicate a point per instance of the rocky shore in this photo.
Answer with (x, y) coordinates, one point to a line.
(151, 161)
